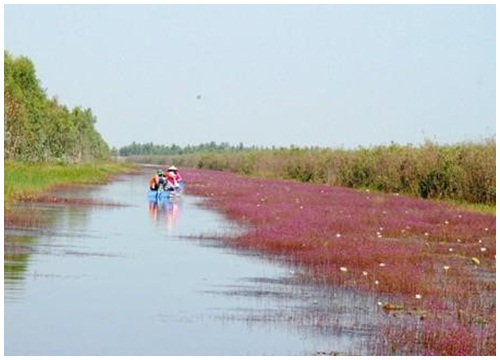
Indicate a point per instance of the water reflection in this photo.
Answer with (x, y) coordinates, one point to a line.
(103, 281)
(16, 257)
(166, 213)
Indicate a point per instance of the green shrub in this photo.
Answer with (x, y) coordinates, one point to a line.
(461, 172)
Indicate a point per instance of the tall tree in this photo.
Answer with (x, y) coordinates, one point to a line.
(40, 129)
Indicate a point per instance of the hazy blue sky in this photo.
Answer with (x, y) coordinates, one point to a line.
(308, 75)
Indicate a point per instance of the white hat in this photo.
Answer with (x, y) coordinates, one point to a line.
(172, 168)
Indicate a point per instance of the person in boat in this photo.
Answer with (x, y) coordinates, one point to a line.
(176, 172)
(158, 179)
(178, 177)
(172, 183)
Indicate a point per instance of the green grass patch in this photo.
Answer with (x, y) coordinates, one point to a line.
(23, 179)
(482, 208)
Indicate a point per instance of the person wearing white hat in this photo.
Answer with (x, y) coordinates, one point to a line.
(177, 176)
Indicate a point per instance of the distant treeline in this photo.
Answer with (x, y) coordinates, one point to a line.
(463, 172)
(39, 129)
(154, 149)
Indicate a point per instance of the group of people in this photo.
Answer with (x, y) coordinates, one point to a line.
(169, 180)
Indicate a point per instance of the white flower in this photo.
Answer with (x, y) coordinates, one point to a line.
(365, 273)
(418, 296)
(381, 264)
(343, 269)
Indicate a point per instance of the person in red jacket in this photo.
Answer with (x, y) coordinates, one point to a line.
(171, 183)
(178, 178)
(176, 172)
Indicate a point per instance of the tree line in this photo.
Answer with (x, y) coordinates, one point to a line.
(174, 149)
(39, 129)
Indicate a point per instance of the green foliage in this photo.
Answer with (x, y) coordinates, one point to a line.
(38, 129)
(461, 172)
(152, 149)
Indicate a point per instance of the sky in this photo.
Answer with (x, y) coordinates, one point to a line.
(267, 75)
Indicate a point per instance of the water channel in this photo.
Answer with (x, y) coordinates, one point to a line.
(135, 280)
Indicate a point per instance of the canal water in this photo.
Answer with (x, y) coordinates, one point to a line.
(130, 279)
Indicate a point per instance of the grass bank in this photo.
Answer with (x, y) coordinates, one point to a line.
(22, 180)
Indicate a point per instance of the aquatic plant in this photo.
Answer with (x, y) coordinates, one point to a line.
(418, 252)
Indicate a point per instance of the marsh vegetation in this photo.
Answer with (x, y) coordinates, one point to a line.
(464, 172)
(432, 265)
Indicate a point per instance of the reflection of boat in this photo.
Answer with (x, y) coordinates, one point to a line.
(167, 210)
(164, 194)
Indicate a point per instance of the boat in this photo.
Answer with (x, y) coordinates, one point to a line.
(165, 194)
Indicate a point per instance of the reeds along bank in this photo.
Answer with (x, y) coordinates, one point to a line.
(462, 172)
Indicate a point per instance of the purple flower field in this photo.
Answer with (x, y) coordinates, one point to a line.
(436, 262)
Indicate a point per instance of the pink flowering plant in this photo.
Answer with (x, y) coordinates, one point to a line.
(436, 260)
